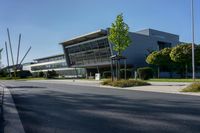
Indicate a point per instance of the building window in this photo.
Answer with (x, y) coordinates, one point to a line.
(162, 45)
(90, 53)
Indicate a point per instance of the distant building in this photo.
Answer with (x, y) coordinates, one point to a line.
(57, 63)
(27, 66)
(92, 51)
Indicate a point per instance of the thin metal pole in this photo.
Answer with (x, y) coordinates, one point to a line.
(111, 66)
(24, 56)
(10, 47)
(7, 58)
(0, 57)
(193, 61)
(125, 69)
(97, 68)
(116, 70)
(18, 49)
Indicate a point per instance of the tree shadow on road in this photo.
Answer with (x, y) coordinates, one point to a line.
(21, 87)
(53, 111)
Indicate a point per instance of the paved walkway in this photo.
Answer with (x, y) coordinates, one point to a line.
(161, 87)
(12, 122)
(164, 87)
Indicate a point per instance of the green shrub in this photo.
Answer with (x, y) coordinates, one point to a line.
(124, 83)
(194, 87)
(41, 74)
(145, 73)
(106, 74)
(3, 73)
(23, 74)
(128, 73)
(51, 74)
(107, 82)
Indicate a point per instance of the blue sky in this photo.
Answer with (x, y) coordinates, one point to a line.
(45, 23)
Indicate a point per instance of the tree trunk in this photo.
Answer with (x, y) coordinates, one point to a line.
(186, 70)
(119, 76)
(158, 72)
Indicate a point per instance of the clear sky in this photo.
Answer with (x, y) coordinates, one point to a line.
(45, 23)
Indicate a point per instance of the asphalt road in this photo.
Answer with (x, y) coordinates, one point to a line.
(65, 108)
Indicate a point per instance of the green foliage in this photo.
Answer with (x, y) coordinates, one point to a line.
(106, 74)
(154, 58)
(107, 82)
(41, 74)
(128, 73)
(118, 34)
(182, 54)
(159, 58)
(3, 73)
(124, 83)
(197, 54)
(194, 87)
(23, 74)
(173, 80)
(51, 74)
(145, 73)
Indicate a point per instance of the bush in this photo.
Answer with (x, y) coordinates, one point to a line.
(51, 74)
(194, 87)
(3, 73)
(23, 74)
(128, 73)
(106, 74)
(145, 73)
(124, 83)
(41, 74)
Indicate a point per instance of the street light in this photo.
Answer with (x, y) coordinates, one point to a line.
(193, 62)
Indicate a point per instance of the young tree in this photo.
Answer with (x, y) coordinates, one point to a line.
(118, 36)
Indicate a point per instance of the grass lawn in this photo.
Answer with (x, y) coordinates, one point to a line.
(124, 83)
(194, 87)
(17, 78)
(172, 80)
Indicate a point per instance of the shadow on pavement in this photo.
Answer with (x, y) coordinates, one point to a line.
(52, 111)
(11, 87)
(1, 120)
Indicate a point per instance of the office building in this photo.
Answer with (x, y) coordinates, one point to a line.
(56, 63)
(92, 51)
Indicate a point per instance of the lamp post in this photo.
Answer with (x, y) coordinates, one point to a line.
(193, 62)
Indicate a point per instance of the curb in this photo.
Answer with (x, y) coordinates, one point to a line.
(138, 88)
(12, 123)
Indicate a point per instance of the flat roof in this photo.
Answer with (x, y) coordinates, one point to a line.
(85, 37)
(149, 30)
(47, 57)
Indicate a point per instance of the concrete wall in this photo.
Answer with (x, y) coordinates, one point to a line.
(137, 52)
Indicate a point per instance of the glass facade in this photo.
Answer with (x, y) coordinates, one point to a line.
(89, 53)
(80, 72)
(49, 66)
(61, 57)
(162, 45)
(58, 64)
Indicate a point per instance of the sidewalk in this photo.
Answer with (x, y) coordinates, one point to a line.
(12, 122)
(161, 87)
